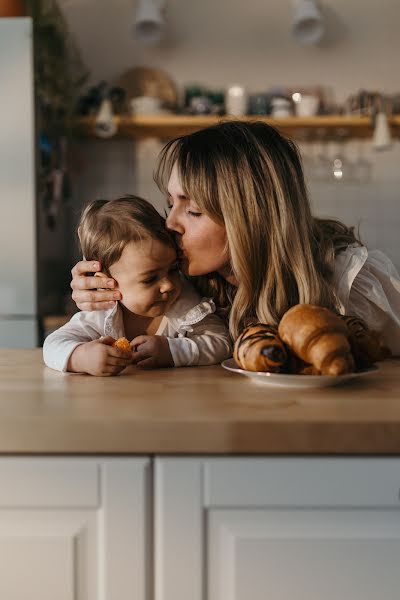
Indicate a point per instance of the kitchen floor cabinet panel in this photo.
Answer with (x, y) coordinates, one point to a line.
(307, 528)
(74, 529)
(303, 554)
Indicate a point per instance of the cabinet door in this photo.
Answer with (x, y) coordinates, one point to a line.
(73, 529)
(277, 528)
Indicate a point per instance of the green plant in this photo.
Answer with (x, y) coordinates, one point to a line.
(59, 71)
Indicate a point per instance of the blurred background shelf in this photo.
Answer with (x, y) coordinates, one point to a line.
(169, 126)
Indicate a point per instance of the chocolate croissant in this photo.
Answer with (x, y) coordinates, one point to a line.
(366, 345)
(318, 337)
(259, 348)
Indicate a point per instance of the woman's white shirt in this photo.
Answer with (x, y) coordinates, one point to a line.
(196, 336)
(368, 286)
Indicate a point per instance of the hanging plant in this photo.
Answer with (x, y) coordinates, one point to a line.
(59, 71)
(59, 77)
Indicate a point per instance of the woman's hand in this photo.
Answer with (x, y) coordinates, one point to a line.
(99, 358)
(84, 288)
(151, 351)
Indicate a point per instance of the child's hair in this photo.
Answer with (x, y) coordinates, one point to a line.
(107, 226)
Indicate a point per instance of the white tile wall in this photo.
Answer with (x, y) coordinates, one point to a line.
(373, 206)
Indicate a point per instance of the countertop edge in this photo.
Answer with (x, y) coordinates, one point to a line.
(74, 438)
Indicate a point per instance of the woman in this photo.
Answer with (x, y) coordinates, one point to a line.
(241, 214)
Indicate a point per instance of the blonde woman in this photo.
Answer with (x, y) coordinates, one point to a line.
(239, 208)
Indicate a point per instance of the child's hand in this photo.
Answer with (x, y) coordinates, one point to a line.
(99, 358)
(151, 351)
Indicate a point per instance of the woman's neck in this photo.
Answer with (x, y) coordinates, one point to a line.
(227, 273)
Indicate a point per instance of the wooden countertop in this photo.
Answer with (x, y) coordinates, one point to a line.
(204, 410)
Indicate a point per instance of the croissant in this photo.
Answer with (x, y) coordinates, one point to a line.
(296, 366)
(259, 348)
(366, 345)
(318, 337)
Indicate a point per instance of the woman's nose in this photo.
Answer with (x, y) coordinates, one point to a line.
(173, 223)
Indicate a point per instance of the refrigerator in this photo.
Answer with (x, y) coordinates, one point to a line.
(18, 278)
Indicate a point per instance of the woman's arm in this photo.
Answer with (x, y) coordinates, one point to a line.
(85, 288)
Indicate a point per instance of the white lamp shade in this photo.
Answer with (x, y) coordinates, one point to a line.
(382, 138)
(149, 22)
(308, 25)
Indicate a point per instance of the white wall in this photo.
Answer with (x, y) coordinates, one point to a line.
(217, 42)
(220, 41)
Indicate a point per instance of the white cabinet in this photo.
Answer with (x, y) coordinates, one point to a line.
(224, 528)
(277, 528)
(74, 529)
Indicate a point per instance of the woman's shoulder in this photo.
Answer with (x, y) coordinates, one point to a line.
(355, 260)
(348, 263)
(368, 286)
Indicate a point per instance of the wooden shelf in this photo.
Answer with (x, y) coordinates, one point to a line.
(170, 125)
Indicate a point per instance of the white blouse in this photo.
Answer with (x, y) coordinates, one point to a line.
(368, 286)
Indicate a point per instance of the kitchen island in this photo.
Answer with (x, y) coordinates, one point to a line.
(196, 483)
(190, 411)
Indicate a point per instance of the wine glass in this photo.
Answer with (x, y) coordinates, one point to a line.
(362, 166)
(341, 169)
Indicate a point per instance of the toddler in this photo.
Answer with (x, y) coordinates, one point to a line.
(160, 312)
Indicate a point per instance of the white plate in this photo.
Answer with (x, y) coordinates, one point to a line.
(295, 381)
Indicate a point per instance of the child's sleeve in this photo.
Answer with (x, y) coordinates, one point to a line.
(208, 343)
(84, 327)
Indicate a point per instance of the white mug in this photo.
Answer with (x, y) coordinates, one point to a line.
(280, 108)
(236, 101)
(307, 106)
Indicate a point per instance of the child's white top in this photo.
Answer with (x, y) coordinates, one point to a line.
(195, 335)
(368, 286)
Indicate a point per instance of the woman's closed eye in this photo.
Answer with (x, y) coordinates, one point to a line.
(191, 211)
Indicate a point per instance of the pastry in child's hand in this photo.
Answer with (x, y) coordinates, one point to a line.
(123, 344)
(259, 348)
(318, 337)
(366, 345)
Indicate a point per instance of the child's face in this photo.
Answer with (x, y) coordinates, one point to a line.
(148, 277)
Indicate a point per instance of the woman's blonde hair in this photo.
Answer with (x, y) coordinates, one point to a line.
(107, 226)
(248, 177)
